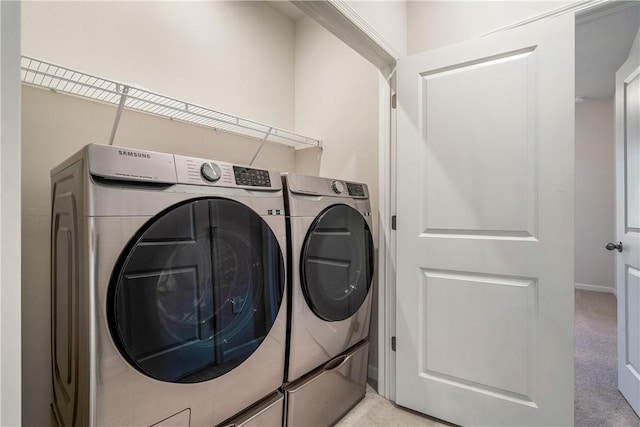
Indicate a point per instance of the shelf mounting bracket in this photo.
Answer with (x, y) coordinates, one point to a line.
(116, 122)
(261, 145)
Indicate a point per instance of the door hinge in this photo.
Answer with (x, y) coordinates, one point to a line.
(393, 343)
(393, 101)
(393, 222)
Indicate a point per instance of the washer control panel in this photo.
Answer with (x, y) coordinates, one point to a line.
(251, 177)
(127, 164)
(192, 170)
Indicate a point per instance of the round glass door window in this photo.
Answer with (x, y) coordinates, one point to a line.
(336, 265)
(196, 291)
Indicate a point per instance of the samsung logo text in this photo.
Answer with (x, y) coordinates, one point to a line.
(134, 154)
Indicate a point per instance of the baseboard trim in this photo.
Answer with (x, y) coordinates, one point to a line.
(596, 288)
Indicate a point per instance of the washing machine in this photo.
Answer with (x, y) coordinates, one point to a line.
(168, 291)
(332, 263)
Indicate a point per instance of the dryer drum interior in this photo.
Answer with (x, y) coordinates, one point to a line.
(196, 291)
(336, 266)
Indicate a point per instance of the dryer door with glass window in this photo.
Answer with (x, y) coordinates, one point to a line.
(196, 291)
(336, 266)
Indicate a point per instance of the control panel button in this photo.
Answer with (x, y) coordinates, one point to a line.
(210, 171)
(337, 187)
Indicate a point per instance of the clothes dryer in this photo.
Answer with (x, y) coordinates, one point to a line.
(168, 288)
(332, 261)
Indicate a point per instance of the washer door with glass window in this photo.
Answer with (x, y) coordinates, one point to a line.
(336, 264)
(196, 291)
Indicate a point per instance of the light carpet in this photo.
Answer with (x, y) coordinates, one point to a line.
(598, 402)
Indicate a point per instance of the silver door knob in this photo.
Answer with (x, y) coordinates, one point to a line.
(612, 246)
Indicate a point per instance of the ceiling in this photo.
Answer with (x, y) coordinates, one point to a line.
(603, 40)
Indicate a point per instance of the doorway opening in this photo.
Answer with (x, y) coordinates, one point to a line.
(603, 41)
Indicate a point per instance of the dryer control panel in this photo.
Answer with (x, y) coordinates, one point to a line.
(315, 185)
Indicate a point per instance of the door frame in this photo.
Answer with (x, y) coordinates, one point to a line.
(354, 30)
(10, 211)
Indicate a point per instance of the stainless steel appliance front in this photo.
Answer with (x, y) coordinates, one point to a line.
(167, 288)
(331, 272)
(324, 395)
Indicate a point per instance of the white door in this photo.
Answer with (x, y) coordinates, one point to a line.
(484, 311)
(628, 225)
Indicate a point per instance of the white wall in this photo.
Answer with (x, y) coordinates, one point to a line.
(236, 57)
(434, 24)
(10, 381)
(336, 97)
(594, 193)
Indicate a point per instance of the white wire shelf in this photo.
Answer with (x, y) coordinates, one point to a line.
(39, 73)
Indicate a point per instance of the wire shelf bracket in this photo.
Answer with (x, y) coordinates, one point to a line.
(116, 122)
(39, 73)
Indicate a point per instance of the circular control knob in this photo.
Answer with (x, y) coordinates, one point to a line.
(210, 171)
(337, 187)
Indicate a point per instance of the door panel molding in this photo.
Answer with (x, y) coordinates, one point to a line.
(485, 283)
(443, 358)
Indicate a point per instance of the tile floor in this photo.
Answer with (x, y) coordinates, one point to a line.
(376, 411)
